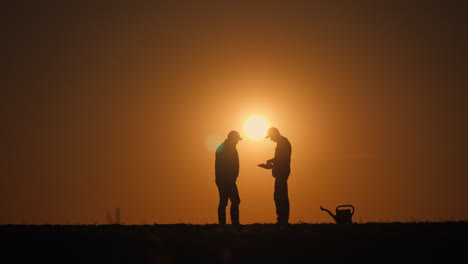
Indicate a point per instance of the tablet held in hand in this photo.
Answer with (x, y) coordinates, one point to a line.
(265, 166)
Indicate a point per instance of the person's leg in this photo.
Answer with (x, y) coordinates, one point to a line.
(286, 202)
(223, 200)
(235, 201)
(281, 200)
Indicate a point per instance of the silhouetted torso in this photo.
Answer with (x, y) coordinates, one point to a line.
(282, 163)
(227, 163)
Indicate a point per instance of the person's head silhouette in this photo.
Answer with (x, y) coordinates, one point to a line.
(273, 134)
(234, 136)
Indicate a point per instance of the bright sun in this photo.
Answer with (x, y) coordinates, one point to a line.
(256, 127)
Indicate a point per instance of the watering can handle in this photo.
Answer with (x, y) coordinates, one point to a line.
(346, 206)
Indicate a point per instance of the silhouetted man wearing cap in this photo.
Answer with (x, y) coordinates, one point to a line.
(281, 169)
(226, 171)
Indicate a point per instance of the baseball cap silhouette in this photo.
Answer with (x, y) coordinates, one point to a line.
(272, 131)
(234, 135)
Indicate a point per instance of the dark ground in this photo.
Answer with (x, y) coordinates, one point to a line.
(424, 242)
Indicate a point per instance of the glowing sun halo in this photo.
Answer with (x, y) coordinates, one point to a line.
(256, 127)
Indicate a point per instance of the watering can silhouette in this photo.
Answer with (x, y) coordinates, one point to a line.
(342, 216)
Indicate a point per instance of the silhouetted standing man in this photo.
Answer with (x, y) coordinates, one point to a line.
(226, 171)
(281, 169)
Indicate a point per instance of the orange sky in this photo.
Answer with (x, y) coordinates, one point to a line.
(120, 105)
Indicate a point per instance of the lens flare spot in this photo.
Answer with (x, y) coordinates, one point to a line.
(212, 141)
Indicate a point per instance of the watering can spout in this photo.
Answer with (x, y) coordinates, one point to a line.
(328, 211)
